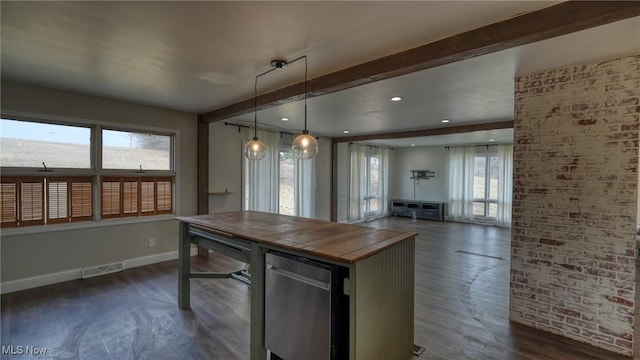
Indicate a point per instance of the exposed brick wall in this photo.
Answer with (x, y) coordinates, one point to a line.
(575, 201)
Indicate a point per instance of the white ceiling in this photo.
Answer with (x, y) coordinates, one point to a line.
(199, 56)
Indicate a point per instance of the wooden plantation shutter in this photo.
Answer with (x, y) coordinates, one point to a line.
(164, 195)
(9, 202)
(147, 197)
(156, 196)
(29, 201)
(130, 196)
(31, 197)
(69, 199)
(82, 199)
(135, 196)
(26, 201)
(57, 201)
(110, 197)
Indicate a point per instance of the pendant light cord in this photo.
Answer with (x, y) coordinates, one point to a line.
(305, 91)
(255, 109)
(255, 97)
(255, 91)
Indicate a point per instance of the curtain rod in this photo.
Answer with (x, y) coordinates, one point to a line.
(475, 145)
(373, 146)
(249, 127)
(238, 125)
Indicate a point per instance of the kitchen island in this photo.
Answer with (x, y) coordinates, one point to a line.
(380, 264)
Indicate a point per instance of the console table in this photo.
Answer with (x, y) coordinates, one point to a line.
(418, 209)
(380, 265)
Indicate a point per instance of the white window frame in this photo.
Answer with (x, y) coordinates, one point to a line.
(98, 159)
(95, 169)
(487, 186)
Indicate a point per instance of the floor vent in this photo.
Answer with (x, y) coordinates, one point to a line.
(102, 269)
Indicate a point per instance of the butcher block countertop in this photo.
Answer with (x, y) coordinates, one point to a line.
(345, 243)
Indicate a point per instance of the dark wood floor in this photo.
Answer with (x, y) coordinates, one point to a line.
(461, 308)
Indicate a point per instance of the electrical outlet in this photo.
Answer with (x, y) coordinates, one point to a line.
(152, 242)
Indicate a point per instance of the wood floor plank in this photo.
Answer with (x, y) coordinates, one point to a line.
(461, 308)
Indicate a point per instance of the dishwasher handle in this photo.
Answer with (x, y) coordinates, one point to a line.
(298, 277)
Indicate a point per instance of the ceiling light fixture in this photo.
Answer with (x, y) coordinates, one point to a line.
(284, 119)
(396, 98)
(492, 140)
(346, 131)
(304, 145)
(445, 121)
(256, 149)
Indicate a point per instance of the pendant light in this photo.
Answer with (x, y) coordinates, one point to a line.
(255, 149)
(304, 145)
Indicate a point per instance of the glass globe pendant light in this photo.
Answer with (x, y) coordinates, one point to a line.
(255, 149)
(304, 145)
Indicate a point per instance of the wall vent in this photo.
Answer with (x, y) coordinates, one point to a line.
(101, 270)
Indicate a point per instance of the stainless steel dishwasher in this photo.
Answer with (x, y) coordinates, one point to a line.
(306, 310)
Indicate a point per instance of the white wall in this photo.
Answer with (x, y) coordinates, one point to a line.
(225, 170)
(225, 167)
(433, 158)
(37, 254)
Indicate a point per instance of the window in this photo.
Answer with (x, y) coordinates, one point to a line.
(485, 185)
(481, 183)
(135, 150)
(295, 185)
(287, 174)
(30, 144)
(368, 179)
(278, 183)
(371, 206)
(48, 176)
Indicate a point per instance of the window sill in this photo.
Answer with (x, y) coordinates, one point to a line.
(84, 225)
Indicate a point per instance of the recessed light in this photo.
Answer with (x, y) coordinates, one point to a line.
(396, 98)
(284, 119)
(413, 144)
(346, 131)
(492, 140)
(445, 120)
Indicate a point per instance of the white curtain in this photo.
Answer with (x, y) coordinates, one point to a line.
(261, 180)
(260, 177)
(357, 178)
(461, 160)
(505, 184)
(383, 194)
(305, 187)
(358, 163)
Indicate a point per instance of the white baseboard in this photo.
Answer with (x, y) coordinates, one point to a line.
(48, 279)
(41, 280)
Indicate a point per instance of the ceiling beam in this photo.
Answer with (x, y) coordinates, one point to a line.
(564, 18)
(428, 132)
